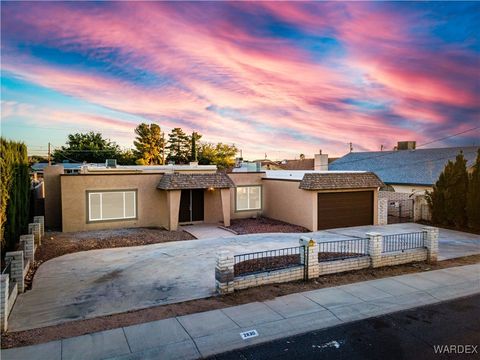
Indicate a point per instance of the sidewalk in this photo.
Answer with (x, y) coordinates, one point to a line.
(204, 334)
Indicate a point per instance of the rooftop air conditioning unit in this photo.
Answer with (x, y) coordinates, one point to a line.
(111, 163)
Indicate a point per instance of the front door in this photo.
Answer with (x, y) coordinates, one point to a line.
(191, 206)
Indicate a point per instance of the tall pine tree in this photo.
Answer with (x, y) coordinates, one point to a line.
(178, 146)
(149, 144)
(448, 199)
(473, 196)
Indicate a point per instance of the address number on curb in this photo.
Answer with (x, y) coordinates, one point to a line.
(248, 334)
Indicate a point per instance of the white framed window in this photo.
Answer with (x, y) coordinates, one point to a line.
(248, 198)
(112, 205)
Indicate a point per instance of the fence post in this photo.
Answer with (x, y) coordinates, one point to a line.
(375, 248)
(4, 286)
(29, 246)
(431, 243)
(224, 275)
(34, 228)
(16, 272)
(40, 220)
(311, 247)
(382, 211)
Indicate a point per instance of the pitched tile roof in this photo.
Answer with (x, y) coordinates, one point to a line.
(332, 181)
(179, 181)
(419, 167)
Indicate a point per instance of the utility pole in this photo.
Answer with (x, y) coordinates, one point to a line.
(49, 155)
(351, 147)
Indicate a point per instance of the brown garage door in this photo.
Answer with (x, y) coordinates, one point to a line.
(345, 209)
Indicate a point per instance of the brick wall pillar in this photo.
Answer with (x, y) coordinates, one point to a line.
(16, 273)
(431, 243)
(311, 258)
(4, 282)
(224, 273)
(28, 244)
(382, 211)
(375, 248)
(34, 228)
(40, 220)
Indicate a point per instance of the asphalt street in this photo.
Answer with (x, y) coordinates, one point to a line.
(411, 334)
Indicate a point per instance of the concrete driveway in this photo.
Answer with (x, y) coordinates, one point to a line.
(102, 282)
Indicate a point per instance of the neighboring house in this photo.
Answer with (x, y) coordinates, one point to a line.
(166, 196)
(318, 162)
(68, 168)
(409, 171)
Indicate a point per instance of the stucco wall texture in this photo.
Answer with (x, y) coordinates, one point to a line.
(152, 203)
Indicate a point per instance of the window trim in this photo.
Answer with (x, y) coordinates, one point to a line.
(88, 206)
(249, 186)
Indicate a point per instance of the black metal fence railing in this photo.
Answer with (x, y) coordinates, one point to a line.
(401, 242)
(252, 263)
(342, 249)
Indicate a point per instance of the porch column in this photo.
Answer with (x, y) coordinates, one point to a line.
(173, 204)
(225, 195)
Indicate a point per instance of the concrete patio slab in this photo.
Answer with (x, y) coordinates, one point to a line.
(103, 282)
(251, 314)
(364, 291)
(418, 282)
(207, 323)
(207, 231)
(213, 332)
(332, 297)
(392, 287)
(293, 305)
(154, 334)
(100, 345)
(185, 350)
(50, 350)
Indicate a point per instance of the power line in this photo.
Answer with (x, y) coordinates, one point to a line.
(386, 153)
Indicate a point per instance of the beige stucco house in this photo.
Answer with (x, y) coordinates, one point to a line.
(166, 196)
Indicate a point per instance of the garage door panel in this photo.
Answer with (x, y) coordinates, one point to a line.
(345, 209)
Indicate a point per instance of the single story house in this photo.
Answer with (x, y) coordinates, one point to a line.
(406, 170)
(166, 196)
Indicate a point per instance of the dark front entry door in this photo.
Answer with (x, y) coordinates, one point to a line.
(191, 206)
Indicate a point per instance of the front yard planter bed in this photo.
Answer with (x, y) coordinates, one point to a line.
(271, 263)
(263, 225)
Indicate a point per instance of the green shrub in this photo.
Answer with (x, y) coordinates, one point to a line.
(15, 192)
(473, 196)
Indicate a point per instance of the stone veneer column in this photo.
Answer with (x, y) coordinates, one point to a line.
(382, 211)
(34, 228)
(4, 282)
(375, 248)
(173, 205)
(40, 220)
(431, 243)
(311, 246)
(16, 273)
(28, 243)
(225, 197)
(224, 275)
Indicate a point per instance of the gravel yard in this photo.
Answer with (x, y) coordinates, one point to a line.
(263, 225)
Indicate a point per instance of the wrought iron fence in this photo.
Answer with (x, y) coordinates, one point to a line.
(256, 262)
(401, 242)
(342, 249)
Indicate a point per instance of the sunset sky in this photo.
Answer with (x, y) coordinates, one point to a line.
(273, 78)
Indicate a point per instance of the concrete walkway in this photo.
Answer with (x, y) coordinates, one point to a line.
(208, 333)
(206, 231)
(102, 282)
